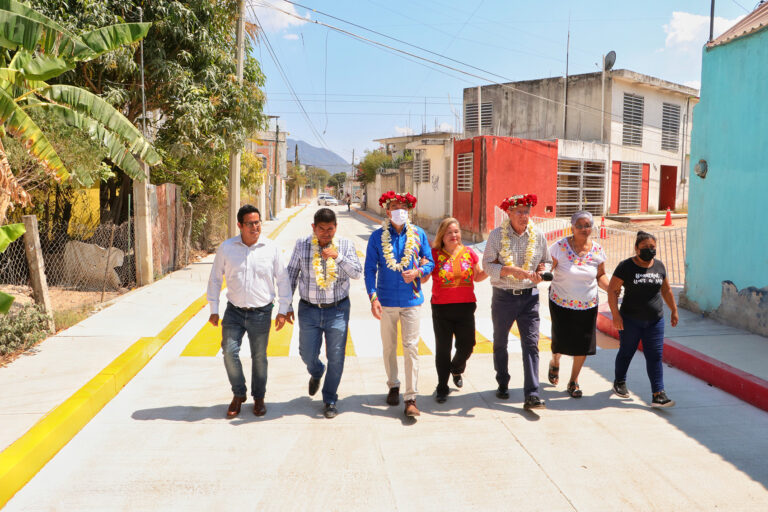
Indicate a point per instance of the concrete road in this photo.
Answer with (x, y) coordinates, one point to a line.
(163, 442)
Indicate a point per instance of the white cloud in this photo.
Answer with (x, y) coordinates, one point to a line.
(275, 21)
(291, 37)
(687, 31)
(404, 130)
(445, 127)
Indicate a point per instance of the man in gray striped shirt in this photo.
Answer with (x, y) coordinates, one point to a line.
(321, 266)
(515, 255)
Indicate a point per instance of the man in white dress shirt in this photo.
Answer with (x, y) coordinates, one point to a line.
(253, 266)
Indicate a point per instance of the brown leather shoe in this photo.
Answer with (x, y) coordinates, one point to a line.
(259, 409)
(393, 398)
(234, 407)
(411, 409)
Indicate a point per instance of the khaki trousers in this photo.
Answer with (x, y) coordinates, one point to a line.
(409, 323)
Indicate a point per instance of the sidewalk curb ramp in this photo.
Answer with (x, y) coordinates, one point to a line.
(21, 461)
(734, 381)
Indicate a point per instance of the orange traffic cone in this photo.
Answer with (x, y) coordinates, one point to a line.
(603, 231)
(668, 219)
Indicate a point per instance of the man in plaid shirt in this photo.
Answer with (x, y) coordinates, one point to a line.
(515, 296)
(322, 266)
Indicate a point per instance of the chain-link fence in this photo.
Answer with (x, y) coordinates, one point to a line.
(619, 244)
(84, 265)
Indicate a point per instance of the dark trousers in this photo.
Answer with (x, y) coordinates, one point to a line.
(505, 310)
(449, 320)
(652, 335)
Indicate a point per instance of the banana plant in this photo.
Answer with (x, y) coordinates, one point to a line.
(43, 49)
(8, 234)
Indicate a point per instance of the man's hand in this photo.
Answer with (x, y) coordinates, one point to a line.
(540, 267)
(329, 252)
(289, 317)
(376, 309)
(535, 277)
(410, 275)
(279, 322)
(516, 272)
(214, 320)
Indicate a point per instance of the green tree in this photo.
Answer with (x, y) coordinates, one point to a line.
(196, 108)
(337, 180)
(372, 162)
(36, 50)
(317, 177)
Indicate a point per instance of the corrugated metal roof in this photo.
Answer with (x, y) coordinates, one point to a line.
(755, 21)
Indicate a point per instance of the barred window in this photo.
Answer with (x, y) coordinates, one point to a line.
(420, 168)
(464, 172)
(470, 116)
(633, 120)
(630, 187)
(670, 127)
(580, 186)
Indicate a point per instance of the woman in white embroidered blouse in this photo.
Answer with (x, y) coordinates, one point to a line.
(578, 265)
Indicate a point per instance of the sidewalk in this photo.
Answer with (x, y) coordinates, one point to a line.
(100, 352)
(729, 358)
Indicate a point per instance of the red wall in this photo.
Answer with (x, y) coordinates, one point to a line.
(505, 166)
(615, 184)
(644, 192)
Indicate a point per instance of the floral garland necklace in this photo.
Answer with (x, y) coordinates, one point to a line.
(411, 242)
(324, 277)
(505, 254)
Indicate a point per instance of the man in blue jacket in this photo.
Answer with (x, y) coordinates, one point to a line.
(393, 272)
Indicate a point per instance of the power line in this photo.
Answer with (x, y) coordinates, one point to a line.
(284, 75)
(588, 109)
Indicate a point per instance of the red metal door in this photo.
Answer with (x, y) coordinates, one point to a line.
(667, 187)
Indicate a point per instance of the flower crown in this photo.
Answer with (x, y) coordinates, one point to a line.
(388, 197)
(520, 200)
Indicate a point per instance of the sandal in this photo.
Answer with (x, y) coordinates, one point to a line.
(554, 374)
(573, 389)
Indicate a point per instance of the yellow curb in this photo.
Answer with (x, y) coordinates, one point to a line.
(369, 216)
(28, 454)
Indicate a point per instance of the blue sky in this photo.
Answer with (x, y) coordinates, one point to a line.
(354, 92)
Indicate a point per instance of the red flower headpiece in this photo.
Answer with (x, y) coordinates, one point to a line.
(521, 200)
(388, 197)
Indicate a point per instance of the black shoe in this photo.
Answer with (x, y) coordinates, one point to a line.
(534, 402)
(393, 398)
(620, 388)
(330, 411)
(661, 399)
(502, 393)
(458, 380)
(441, 396)
(314, 385)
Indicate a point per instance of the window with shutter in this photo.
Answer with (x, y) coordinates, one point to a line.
(670, 127)
(464, 172)
(633, 120)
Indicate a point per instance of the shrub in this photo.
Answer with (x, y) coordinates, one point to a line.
(22, 328)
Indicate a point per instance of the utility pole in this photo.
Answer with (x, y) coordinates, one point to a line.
(565, 85)
(711, 21)
(143, 230)
(234, 155)
(273, 181)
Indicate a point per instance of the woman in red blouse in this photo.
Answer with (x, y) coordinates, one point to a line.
(453, 303)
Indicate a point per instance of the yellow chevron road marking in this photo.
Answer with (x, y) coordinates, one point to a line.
(350, 348)
(423, 348)
(206, 343)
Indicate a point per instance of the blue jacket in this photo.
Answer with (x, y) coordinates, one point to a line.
(388, 285)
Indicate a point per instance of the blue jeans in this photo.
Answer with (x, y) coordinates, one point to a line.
(313, 323)
(652, 335)
(505, 309)
(235, 324)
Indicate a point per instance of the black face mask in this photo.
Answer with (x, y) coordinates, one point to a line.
(647, 254)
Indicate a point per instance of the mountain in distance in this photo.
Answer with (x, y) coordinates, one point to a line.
(317, 157)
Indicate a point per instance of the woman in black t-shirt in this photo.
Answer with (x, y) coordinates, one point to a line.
(641, 316)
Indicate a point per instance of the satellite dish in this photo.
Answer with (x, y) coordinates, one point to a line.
(610, 60)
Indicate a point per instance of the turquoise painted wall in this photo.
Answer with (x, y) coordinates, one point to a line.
(728, 211)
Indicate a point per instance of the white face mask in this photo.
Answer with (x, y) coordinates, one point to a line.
(399, 217)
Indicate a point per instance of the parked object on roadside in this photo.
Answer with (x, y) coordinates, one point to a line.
(641, 315)
(393, 271)
(457, 268)
(327, 200)
(255, 272)
(578, 267)
(321, 266)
